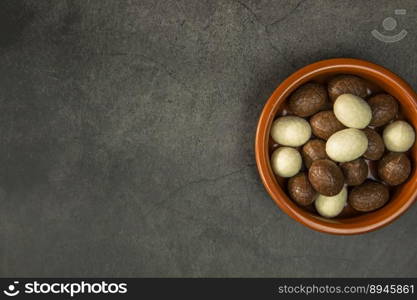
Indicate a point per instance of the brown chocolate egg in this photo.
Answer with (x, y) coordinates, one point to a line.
(347, 84)
(355, 171)
(384, 109)
(368, 196)
(376, 145)
(301, 190)
(308, 99)
(313, 150)
(324, 124)
(394, 168)
(326, 177)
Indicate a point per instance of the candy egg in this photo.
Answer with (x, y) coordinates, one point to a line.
(355, 171)
(368, 196)
(375, 145)
(324, 124)
(325, 177)
(301, 190)
(313, 150)
(330, 207)
(384, 109)
(346, 145)
(290, 131)
(347, 84)
(352, 111)
(286, 161)
(394, 168)
(308, 99)
(398, 136)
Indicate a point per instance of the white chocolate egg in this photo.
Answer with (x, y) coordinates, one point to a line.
(286, 161)
(399, 136)
(346, 145)
(330, 207)
(352, 111)
(290, 131)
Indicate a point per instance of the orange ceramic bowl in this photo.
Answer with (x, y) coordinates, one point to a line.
(401, 198)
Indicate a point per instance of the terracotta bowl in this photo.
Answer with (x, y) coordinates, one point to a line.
(349, 222)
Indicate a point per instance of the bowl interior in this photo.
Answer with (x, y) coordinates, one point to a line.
(349, 221)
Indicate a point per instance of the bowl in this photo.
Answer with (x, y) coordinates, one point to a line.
(401, 198)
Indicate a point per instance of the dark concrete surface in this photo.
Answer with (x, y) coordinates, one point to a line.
(127, 131)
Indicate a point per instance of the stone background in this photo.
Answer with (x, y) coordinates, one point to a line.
(127, 132)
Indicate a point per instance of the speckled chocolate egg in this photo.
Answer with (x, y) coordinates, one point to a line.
(394, 168)
(326, 177)
(368, 196)
(324, 124)
(301, 190)
(347, 84)
(355, 171)
(384, 109)
(376, 146)
(313, 150)
(308, 99)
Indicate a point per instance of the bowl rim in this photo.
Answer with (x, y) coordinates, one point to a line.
(356, 225)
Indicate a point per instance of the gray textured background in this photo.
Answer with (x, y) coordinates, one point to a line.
(127, 130)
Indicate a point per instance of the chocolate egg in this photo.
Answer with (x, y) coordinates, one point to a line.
(301, 190)
(352, 111)
(355, 171)
(331, 206)
(346, 145)
(394, 168)
(290, 131)
(347, 84)
(324, 124)
(368, 196)
(286, 161)
(326, 177)
(313, 150)
(384, 109)
(376, 146)
(399, 136)
(308, 99)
